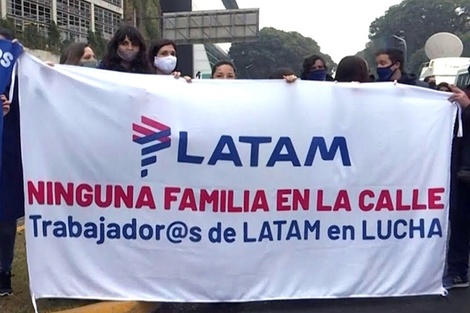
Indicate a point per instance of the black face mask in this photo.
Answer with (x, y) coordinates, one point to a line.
(432, 85)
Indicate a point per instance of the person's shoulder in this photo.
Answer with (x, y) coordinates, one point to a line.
(420, 83)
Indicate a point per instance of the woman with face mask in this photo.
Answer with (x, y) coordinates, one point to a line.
(163, 59)
(79, 54)
(126, 52)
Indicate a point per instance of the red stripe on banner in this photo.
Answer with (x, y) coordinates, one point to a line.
(153, 123)
(142, 130)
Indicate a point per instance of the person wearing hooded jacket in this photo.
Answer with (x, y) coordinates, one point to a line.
(390, 67)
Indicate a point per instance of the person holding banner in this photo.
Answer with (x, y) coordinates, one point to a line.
(459, 241)
(11, 177)
(80, 54)
(314, 68)
(126, 52)
(390, 67)
(163, 59)
(224, 69)
(5, 105)
(352, 69)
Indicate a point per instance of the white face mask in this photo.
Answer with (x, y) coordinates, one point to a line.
(165, 64)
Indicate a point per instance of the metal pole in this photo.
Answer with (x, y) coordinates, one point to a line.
(405, 48)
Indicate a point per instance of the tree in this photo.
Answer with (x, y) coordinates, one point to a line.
(145, 15)
(418, 20)
(53, 38)
(101, 43)
(274, 49)
(33, 38)
(8, 24)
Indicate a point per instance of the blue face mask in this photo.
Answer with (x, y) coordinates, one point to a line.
(317, 75)
(385, 73)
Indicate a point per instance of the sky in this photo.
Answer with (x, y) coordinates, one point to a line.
(340, 27)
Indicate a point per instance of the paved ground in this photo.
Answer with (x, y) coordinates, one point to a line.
(458, 301)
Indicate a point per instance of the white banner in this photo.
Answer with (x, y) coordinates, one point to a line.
(141, 187)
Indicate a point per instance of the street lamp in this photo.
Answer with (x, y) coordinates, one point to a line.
(403, 41)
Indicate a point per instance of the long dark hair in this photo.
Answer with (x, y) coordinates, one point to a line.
(112, 60)
(352, 68)
(73, 53)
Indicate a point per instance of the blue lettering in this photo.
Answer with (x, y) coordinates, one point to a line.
(91, 230)
(365, 236)
(129, 230)
(75, 228)
(294, 231)
(146, 232)
(333, 232)
(245, 234)
(318, 143)
(195, 234)
(229, 235)
(279, 228)
(419, 228)
(290, 156)
(231, 155)
(265, 232)
(35, 219)
(114, 231)
(435, 229)
(183, 156)
(310, 228)
(388, 232)
(60, 229)
(255, 143)
(396, 234)
(101, 233)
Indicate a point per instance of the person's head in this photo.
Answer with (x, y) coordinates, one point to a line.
(314, 68)
(280, 73)
(431, 81)
(162, 56)
(6, 34)
(352, 69)
(78, 53)
(127, 47)
(443, 87)
(224, 69)
(390, 63)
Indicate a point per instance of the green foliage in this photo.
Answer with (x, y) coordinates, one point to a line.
(53, 39)
(97, 43)
(418, 20)
(146, 15)
(8, 24)
(274, 49)
(32, 38)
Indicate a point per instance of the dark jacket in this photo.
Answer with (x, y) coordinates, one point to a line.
(410, 79)
(119, 68)
(11, 171)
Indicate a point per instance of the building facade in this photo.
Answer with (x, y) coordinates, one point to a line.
(73, 17)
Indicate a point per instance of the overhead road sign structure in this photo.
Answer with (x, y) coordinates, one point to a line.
(217, 26)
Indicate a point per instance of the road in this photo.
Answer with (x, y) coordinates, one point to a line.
(458, 301)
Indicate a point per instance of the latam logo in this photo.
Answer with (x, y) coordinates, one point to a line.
(263, 151)
(153, 136)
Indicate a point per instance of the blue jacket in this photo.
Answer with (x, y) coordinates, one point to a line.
(11, 171)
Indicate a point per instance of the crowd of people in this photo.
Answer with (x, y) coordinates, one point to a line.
(127, 52)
